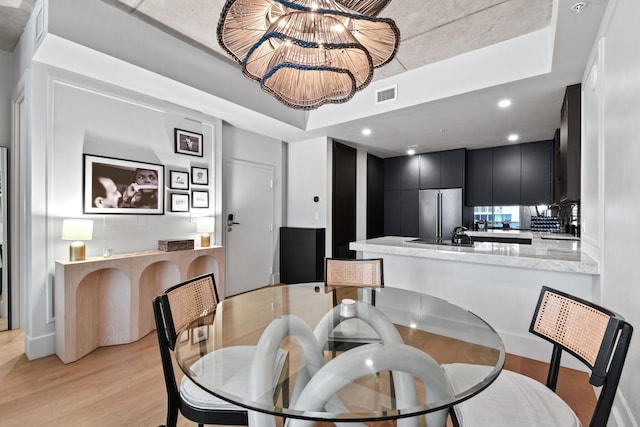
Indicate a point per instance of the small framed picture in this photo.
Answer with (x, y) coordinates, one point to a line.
(179, 202)
(199, 198)
(187, 142)
(199, 334)
(199, 176)
(178, 180)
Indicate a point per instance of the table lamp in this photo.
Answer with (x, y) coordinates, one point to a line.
(205, 226)
(77, 230)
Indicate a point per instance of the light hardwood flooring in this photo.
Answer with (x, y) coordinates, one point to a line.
(123, 386)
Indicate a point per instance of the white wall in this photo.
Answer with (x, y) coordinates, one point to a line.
(619, 60)
(6, 86)
(72, 115)
(308, 177)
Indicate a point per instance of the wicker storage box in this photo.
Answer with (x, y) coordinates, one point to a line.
(175, 245)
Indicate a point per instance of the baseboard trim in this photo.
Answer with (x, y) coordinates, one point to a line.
(41, 346)
(621, 414)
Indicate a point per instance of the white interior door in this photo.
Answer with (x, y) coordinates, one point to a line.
(249, 242)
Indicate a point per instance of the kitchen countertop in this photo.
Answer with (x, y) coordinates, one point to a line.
(541, 254)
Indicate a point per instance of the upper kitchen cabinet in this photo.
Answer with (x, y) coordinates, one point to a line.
(506, 175)
(401, 173)
(479, 178)
(536, 175)
(570, 139)
(443, 169)
(510, 175)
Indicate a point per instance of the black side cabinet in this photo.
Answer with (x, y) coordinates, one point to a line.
(301, 254)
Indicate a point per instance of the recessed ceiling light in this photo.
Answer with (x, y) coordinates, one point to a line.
(513, 137)
(578, 6)
(411, 151)
(366, 131)
(504, 103)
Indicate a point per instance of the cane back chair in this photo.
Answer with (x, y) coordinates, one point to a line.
(597, 337)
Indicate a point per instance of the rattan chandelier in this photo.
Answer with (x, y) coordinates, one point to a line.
(307, 53)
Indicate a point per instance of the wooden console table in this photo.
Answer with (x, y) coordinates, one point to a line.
(107, 301)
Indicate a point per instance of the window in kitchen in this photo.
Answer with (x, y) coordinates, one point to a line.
(498, 216)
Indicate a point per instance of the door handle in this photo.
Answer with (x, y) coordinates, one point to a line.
(230, 220)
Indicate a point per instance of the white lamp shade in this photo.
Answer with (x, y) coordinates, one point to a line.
(206, 225)
(77, 229)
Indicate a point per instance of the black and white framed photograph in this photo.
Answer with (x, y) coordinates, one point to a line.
(179, 202)
(178, 180)
(199, 176)
(118, 186)
(199, 198)
(187, 142)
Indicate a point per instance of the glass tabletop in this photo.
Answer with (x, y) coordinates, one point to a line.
(339, 354)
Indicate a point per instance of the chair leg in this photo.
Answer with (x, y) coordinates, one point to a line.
(172, 414)
(454, 417)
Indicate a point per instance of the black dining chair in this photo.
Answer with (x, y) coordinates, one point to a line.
(365, 273)
(176, 309)
(597, 337)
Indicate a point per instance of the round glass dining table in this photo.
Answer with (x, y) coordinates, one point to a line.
(353, 354)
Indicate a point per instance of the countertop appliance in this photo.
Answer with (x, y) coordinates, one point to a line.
(440, 212)
(480, 225)
(460, 237)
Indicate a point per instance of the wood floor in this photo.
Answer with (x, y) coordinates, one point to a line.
(123, 386)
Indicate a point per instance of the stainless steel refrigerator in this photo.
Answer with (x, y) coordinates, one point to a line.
(440, 212)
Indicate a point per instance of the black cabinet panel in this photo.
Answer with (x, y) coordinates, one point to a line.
(402, 173)
(506, 175)
(570, 140)
(536, 186)
(344, 200)
(301, 254)
(375, 197)
(479, 177)
(452, 168)
(392, 213)
(442, 169)
(430, 171)
(401, 213)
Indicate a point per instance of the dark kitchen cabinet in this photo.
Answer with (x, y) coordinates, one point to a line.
(557, 168)
(375, 196)
(343, 211)
(506, 175)
(479, 177)
(402, 173)
(401, 213)
(570, 140)
(536, 184)
(452, 168)
(429, 171)
(442, 169)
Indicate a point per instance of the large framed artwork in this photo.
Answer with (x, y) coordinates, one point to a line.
(118, 186)
(188, 142)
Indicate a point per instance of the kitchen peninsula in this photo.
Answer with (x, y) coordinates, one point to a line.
(500, 282)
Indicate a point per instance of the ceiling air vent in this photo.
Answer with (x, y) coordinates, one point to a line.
(387, 95)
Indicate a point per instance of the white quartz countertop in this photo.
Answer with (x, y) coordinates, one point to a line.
(542, 254)
(520, 234)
